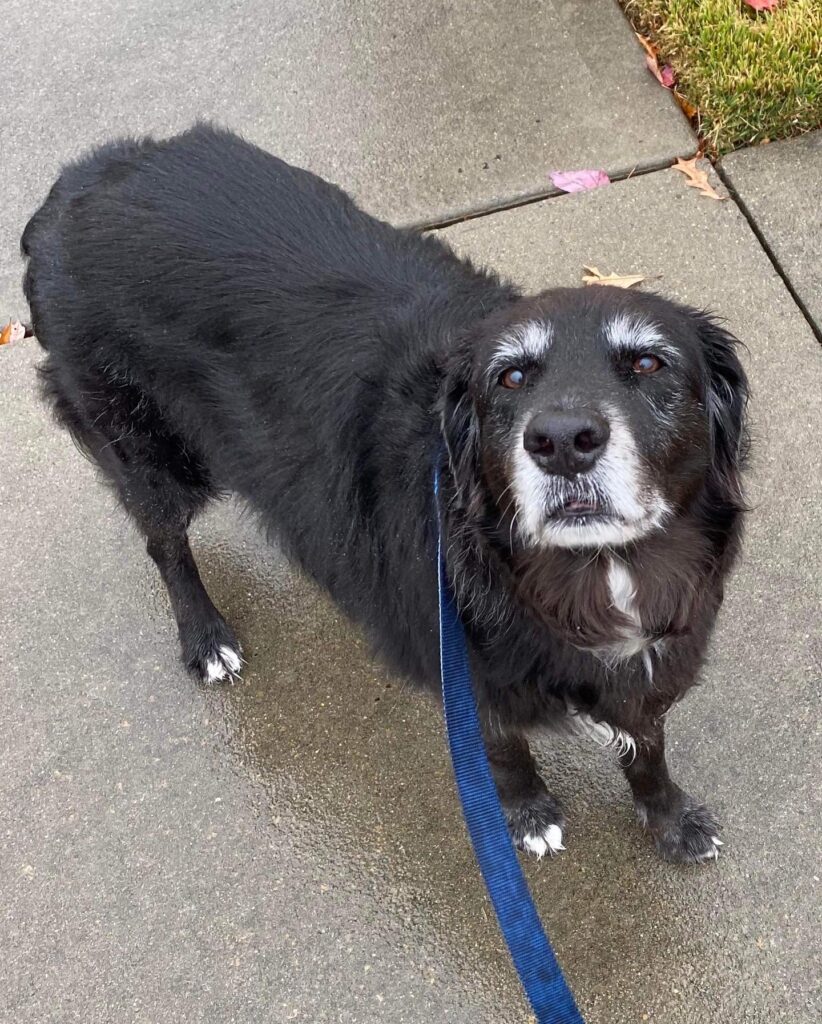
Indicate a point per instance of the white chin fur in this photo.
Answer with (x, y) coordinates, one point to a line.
(617, 478)
(598, 534)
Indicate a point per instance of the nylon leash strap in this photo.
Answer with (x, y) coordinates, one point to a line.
(533, 957)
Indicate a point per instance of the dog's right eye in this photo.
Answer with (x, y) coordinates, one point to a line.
(512, 378)
(647, 363)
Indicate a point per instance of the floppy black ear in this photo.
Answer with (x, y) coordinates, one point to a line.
(460, 425)
(727, 400)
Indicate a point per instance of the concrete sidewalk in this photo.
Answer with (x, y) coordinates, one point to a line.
(290, 848)
(780, 188)
(422, 110)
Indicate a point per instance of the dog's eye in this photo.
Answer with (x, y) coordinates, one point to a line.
(512, 378)
(647, 364)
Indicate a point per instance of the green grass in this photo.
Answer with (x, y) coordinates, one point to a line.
(751, 76)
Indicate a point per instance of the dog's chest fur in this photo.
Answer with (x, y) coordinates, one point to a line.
(622, 587)
(618, 605)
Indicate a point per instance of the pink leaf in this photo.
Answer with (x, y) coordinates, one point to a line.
(665, 76)
(579, 181)
(763, 5)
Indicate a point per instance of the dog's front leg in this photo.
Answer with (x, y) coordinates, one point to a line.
(534, 817)
(683, 829)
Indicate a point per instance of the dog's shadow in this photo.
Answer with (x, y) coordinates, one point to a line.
(356, 763)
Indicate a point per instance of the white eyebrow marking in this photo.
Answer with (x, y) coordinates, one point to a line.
(625, 333)
(526, 342)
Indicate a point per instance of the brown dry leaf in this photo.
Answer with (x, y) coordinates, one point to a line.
(595, 276)
(13, 331)
(697, 178)
(688, 108)
(646, 44)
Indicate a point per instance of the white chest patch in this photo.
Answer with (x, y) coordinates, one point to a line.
(623, 598)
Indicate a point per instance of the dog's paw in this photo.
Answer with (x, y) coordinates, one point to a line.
(220, 664)
(536, 825)
(214, 655)
(688, 835)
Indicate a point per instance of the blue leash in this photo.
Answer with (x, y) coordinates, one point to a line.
(538, 970)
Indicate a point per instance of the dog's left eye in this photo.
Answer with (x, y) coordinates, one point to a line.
(512, 378)
(647, 363)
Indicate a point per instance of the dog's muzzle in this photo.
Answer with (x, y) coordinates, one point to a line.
(579, 481)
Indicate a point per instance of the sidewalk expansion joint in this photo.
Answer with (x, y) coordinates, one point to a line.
(515, 204)
(763, 241)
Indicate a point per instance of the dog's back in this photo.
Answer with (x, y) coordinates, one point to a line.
(183, 224)
(205, 262)
(217, 320)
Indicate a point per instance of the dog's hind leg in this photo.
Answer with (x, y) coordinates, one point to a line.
(535, 819)
(162, 484)
(209, 646)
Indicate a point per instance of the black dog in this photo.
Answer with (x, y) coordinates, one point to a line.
(218, 321)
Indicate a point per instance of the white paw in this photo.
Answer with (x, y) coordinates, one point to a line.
(549, 841)
(713, 853)
(225, 662)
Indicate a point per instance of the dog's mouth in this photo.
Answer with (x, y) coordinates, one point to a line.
(581, 510)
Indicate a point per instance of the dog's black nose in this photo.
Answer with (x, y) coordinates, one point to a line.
(566, 441)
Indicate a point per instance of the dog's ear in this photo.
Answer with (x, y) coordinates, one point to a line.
(726, 396)
(460, 424)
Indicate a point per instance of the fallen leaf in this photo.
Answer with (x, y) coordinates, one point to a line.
(647, 46)
(763, 5)
(665, 75)
(689, 109)
(697, 178)
(595, 276)
(13, 331)
(579, 181)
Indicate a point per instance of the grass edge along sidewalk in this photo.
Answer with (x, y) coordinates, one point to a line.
(752, 76)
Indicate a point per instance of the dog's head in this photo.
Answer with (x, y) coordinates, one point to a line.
(591, 417)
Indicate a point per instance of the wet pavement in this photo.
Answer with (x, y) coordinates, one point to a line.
(290, 848)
